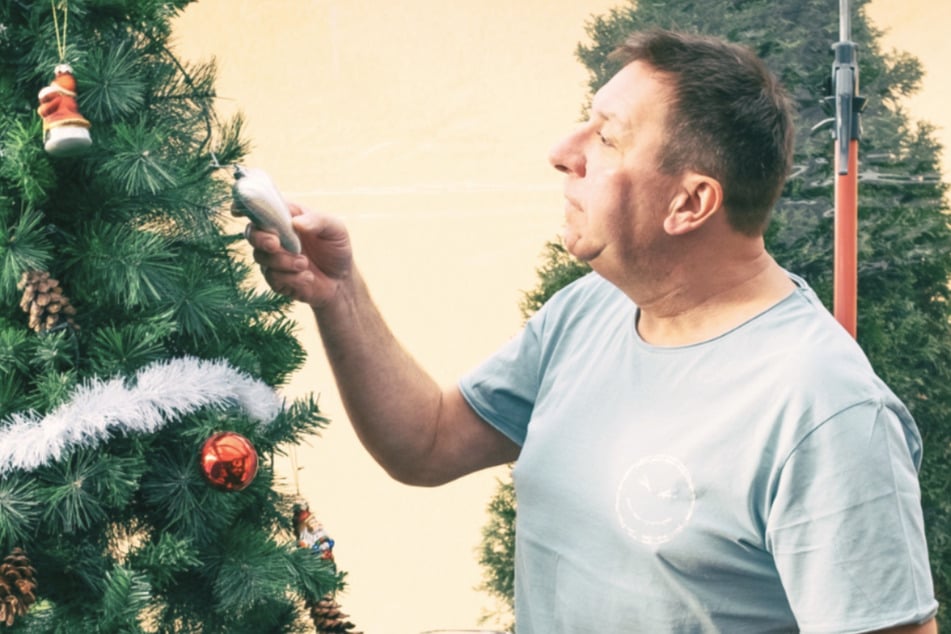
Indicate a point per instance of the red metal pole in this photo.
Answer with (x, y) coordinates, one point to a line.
(848, 105)
(845, 299)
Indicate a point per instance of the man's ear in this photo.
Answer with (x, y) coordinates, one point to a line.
(699, 199)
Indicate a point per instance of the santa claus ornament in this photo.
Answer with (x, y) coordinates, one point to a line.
(310, 532)
(65, 130)
(326, 612)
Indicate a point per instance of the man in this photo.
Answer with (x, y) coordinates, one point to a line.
(700, 447)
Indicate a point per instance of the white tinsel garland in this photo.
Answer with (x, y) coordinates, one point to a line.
(160, 392)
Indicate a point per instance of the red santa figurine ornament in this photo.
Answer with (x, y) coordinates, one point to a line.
(65, 131)
(311, 533)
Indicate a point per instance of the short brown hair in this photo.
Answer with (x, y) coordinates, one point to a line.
(731, 119)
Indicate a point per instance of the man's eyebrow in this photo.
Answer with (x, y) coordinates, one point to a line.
(609, 116)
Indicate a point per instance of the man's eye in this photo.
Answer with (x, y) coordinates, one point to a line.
(604, 139)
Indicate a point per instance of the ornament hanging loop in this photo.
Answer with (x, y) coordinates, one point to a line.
(60, 32)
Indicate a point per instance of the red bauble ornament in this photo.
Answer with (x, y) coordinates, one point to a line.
(228, 461)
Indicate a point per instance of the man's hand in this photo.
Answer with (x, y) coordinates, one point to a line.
(325, 262)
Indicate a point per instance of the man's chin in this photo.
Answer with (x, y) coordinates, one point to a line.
(580, 251)
(571, 241)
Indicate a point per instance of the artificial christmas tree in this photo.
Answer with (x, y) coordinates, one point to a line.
(132, 333)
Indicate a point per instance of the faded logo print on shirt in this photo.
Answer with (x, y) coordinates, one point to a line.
(655, 499)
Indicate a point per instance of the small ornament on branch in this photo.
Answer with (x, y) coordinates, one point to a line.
(326, 613)
(65, 130)
(43, 300)
(17, 586)
(311, 533)
(228, 461)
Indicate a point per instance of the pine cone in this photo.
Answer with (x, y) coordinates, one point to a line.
(44, 301)
(328, 618)
(17, 586)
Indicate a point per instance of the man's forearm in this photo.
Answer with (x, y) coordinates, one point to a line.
(391, 401)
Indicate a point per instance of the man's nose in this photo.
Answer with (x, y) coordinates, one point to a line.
(568, 154)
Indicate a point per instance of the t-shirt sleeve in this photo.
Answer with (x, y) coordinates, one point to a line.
(502, 390)
(845, 526)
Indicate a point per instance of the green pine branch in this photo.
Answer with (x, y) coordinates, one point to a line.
(24, 166)
(19, 510)
(127, 595)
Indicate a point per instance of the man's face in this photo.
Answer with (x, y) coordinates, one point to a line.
(616, 195)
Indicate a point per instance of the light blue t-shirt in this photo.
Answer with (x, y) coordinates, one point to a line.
(762, 481)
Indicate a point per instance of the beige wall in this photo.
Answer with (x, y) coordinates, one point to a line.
(426, 125)
(921, 27)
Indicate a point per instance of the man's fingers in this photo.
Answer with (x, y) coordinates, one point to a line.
(262, 240)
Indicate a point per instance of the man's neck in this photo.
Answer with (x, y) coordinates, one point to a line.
(698, 303)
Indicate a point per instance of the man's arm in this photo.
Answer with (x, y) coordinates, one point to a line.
(419, 432)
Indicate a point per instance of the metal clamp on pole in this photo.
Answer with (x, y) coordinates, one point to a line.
(845, 86)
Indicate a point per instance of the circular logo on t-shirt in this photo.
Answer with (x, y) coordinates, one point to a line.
(655, 499)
